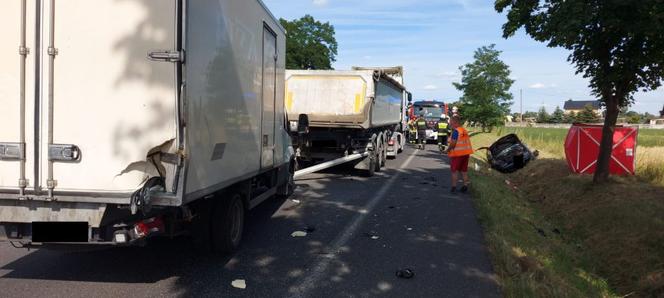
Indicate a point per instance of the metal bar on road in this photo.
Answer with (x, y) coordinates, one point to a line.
(329, 164)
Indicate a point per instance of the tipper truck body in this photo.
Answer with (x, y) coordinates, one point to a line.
(346, 113)
(126, 119)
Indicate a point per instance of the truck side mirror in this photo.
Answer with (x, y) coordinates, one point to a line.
(303, 124)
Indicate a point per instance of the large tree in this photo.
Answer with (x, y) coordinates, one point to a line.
(310, 44)
(617, 44)
(485, 84)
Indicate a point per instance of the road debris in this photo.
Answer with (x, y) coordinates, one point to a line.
(405, 273)
(296, 201)
(239, 284)
(372, 235)
(297, 234)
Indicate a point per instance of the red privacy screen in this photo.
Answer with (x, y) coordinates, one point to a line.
(582, 149)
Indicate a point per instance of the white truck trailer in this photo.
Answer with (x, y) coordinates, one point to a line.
(343, 116)
(121, 120)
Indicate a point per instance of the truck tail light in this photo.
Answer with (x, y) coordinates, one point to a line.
(147, 227)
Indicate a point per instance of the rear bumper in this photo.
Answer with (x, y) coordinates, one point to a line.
(68, 197)
(15, 211)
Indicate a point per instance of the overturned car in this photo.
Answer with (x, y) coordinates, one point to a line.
(508, 154)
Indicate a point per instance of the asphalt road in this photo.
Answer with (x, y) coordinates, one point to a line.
(361, 231)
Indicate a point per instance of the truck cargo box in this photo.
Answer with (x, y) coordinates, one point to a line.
(97, 97)
(350, 99)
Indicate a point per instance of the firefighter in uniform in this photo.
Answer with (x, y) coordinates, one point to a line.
(443, 132)
(412, 131)
(421, 124)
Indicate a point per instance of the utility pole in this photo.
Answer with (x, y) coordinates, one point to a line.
(521, 95)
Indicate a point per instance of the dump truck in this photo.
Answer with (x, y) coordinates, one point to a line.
(124, 120)
(344, 116)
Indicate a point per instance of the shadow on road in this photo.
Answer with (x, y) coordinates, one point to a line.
(443, 245)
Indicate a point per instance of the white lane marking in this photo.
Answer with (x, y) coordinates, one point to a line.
(311, 281)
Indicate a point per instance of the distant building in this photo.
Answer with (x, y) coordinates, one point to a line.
(577, 106)
(657, 121)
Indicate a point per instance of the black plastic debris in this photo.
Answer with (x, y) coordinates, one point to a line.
(405, 273)
(541, 232)
(509, 154)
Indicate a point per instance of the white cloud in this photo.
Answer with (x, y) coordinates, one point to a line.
(430, 87)
(542, 86)
(320, 2)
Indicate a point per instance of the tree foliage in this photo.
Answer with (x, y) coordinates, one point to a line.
(310, 44)
(587, 115)
(617, 44)
(558, 116)
(485, 84)
(570, 118)
(543, 116)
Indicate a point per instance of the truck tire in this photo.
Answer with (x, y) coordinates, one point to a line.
(379, 156)
(371, 167)
(383, 161)
(227, 224)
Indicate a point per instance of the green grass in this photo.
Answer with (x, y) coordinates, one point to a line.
(612, 236)
(527, 263)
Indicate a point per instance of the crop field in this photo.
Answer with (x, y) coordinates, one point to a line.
(555, 137)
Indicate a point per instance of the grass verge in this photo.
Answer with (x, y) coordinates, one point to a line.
(552, 234)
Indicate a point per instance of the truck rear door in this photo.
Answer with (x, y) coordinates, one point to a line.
(110, 102)
(17, 93)
(100, 105)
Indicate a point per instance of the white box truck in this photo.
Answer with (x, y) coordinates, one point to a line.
(339, 116)
(121, 120)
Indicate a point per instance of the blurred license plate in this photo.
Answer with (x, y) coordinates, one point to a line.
(70, 232)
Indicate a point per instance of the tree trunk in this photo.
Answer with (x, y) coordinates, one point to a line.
(606, 144)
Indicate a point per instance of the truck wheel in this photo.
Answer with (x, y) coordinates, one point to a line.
(384, 159)
(371, 168)
(379, 157)
(227, 224)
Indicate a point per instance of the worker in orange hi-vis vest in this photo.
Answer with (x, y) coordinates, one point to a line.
(459, 152)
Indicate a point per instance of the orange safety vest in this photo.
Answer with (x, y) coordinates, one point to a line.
(463, 146)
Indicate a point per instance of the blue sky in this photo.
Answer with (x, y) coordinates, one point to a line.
(432, 38)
